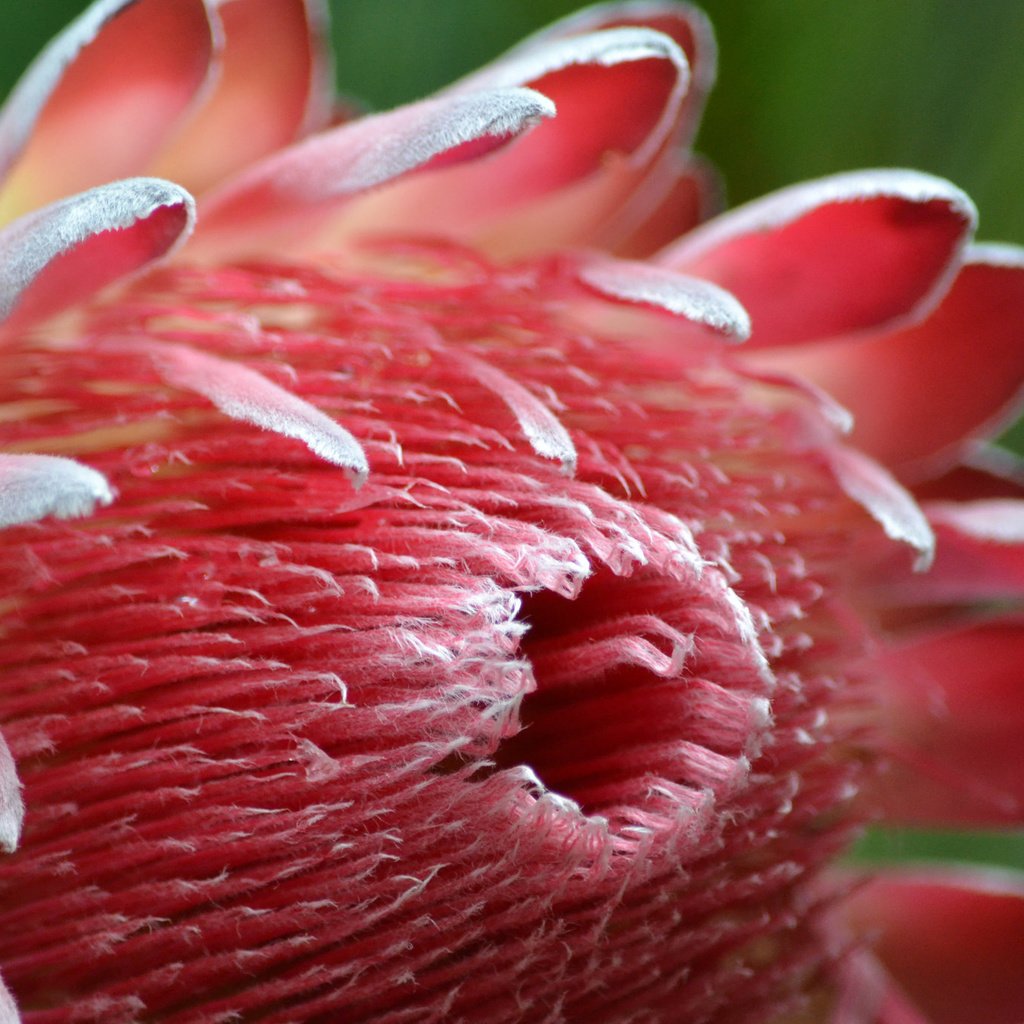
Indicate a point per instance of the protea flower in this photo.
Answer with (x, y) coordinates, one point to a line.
(416, 608)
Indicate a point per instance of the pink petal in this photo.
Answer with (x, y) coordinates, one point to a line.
(246, 395)
(290, 193)
(35, 486)
(63, 253)
(12, 808)
(685, 25)
(955, 714)
(953, 939)
(689, 298)
(687, 194)
(836, 255)
(102, 98)
(889, 504)
(539, 424)
(922, 395)
(575, 180)
(274, 85)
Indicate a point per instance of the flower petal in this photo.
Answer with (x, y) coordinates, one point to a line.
(102, 98)
(574, 180)
(290, 191)
(836, 255)
(63, 253)
(8, 1008)
(690, 298)
(246, 395)
(952, 938)
(892, 507)
(12, 807)
(923, 395)
(35, 486)
(955, 714)
(687, 26)
(248, 115)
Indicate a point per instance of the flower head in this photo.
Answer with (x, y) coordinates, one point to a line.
(417, 605)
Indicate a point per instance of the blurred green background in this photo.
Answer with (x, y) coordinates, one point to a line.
(805, 87)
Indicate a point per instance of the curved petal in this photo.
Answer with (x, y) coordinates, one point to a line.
(834, 256)
(246, 395)
(688, 26)
(249, 115)
(618, 94)
(689, 298)
(290, 192)
(12, 807)
(102, 98)
(33, 487)
(922, 395)
(952, 938)
(63, 253)
(892, 507)
(955, 717)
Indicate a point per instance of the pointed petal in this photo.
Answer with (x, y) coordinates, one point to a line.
(952, 938)
(689, 298)
(61, 254)
(102, 98)
(246, 395)
(35, 486)
(539, 424)
(12, 807)
(618, 94)
(955, 714)
(249, 115)
(686, 25)
(290, 192)
(889, 504)
(836, 255)
(924, 395)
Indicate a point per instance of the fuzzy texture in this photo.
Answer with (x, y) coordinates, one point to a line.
(380, 747)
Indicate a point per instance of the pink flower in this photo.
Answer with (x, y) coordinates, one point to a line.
(417, 608)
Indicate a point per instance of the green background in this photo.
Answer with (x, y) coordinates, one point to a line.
(806, 87)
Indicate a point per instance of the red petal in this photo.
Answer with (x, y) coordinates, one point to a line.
(955, 703)
(102, 98)
(574, 180)
(686, 26)
(274, 85)
(289, 193)
(893, 508)
(836, 255)
(954, 940)
(921, 395)
(63, 253)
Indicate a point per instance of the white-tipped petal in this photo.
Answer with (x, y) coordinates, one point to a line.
(33, 487)
(885, 500)
(298, 185)
(835, 256)
(243, 394)
(63, 253)
(700, 302)
(539, 424)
